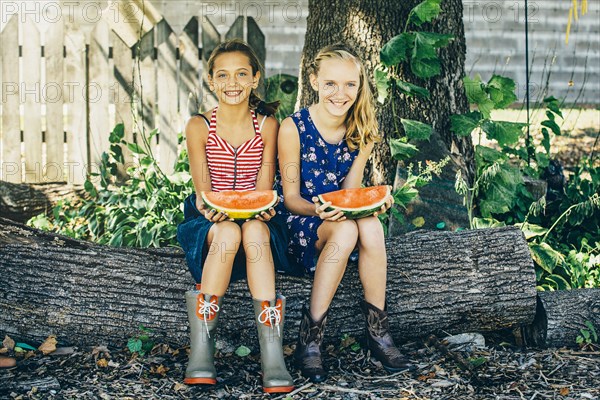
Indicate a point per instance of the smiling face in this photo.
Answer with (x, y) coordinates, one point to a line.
(337, 82)
(232, 79)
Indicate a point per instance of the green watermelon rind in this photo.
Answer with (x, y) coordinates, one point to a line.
(357, 213)
(240, 214)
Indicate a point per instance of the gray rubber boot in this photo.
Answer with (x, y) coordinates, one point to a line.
(203, 315)
(269, 321)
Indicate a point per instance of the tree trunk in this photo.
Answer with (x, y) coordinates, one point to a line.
(20, 202)
(560, 316)
(88, 294)
(367, 26)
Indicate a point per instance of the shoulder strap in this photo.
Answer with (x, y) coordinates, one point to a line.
(203, 117)
(262, 122)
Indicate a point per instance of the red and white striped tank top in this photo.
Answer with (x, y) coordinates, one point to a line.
(231, 168)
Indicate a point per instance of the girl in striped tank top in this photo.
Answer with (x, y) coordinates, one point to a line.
(233, 147)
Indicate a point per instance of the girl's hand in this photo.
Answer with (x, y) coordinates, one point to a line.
(212, 215)
(335, 215)
(265, 215)
(389, 201)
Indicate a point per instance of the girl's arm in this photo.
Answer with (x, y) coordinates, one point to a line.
(266, 174)
(196, 134)
(289, 165)
(355, 175)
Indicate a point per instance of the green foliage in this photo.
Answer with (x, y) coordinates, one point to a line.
(417, 48)
(588, 337)
(141, 343)
(142, 211)
(284, 88)
(563, 235)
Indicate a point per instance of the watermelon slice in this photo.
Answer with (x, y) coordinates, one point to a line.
(357, 203)
(240, 205)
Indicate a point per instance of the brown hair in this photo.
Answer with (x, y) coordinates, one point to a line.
(238, 45)
(361, 121)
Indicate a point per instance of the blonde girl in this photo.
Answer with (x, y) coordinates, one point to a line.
(323, 148)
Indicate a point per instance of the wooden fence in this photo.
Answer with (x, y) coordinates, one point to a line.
(61, 99)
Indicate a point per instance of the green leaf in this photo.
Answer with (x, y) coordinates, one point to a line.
(89, 187)
(425, 67)
(134, 345)
(135, 148)
(440, 225)
(382, 84)
(145, 237)
(553, 105)
(560, 282)
(416, 129)
(117, 134)
(436, 40)
(424, 12)
(546, 140)
(476, 95)
(488, 154)
(465, 124)
(502, 91)
(402, 150)
(482, 223)
(180, 178)
(412, 90)
(553, 126)
(531, 230)
(395, 50)
(117, 154)
(242, 351)
(504, 132)
(404, 195)
(545, 256)
(25, 346)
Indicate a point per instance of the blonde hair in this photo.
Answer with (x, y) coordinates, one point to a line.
(361, 122)
(237, 45)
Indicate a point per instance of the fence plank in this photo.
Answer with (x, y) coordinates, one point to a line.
(123, 64)
(236, 30)
(11, 168)
(146, 85)
(31, 94)
(99, 93)
(210, 40)
(189, 95)
(53, 94)
(77, 142)
(256, 40)
(167, 93)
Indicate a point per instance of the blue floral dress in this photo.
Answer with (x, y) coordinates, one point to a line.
(323, 168)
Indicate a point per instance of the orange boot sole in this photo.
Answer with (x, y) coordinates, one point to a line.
(278, 389)
(200, 381)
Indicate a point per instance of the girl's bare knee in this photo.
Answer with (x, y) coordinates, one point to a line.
(226, 231)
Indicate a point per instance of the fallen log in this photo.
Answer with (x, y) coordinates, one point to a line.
(20, 202)
(561, 315)
(87, 294)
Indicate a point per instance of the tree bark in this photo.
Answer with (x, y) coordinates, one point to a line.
(88, 294)
(20, 202)
(560, 316)
(367, 26)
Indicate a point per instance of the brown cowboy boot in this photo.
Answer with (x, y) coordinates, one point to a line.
(380, 342)
(203, 314)
(308, 349)
(269, 321)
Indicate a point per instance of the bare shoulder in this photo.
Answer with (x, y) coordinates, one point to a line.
(196, 125)
(288, 129)
(270, 124)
